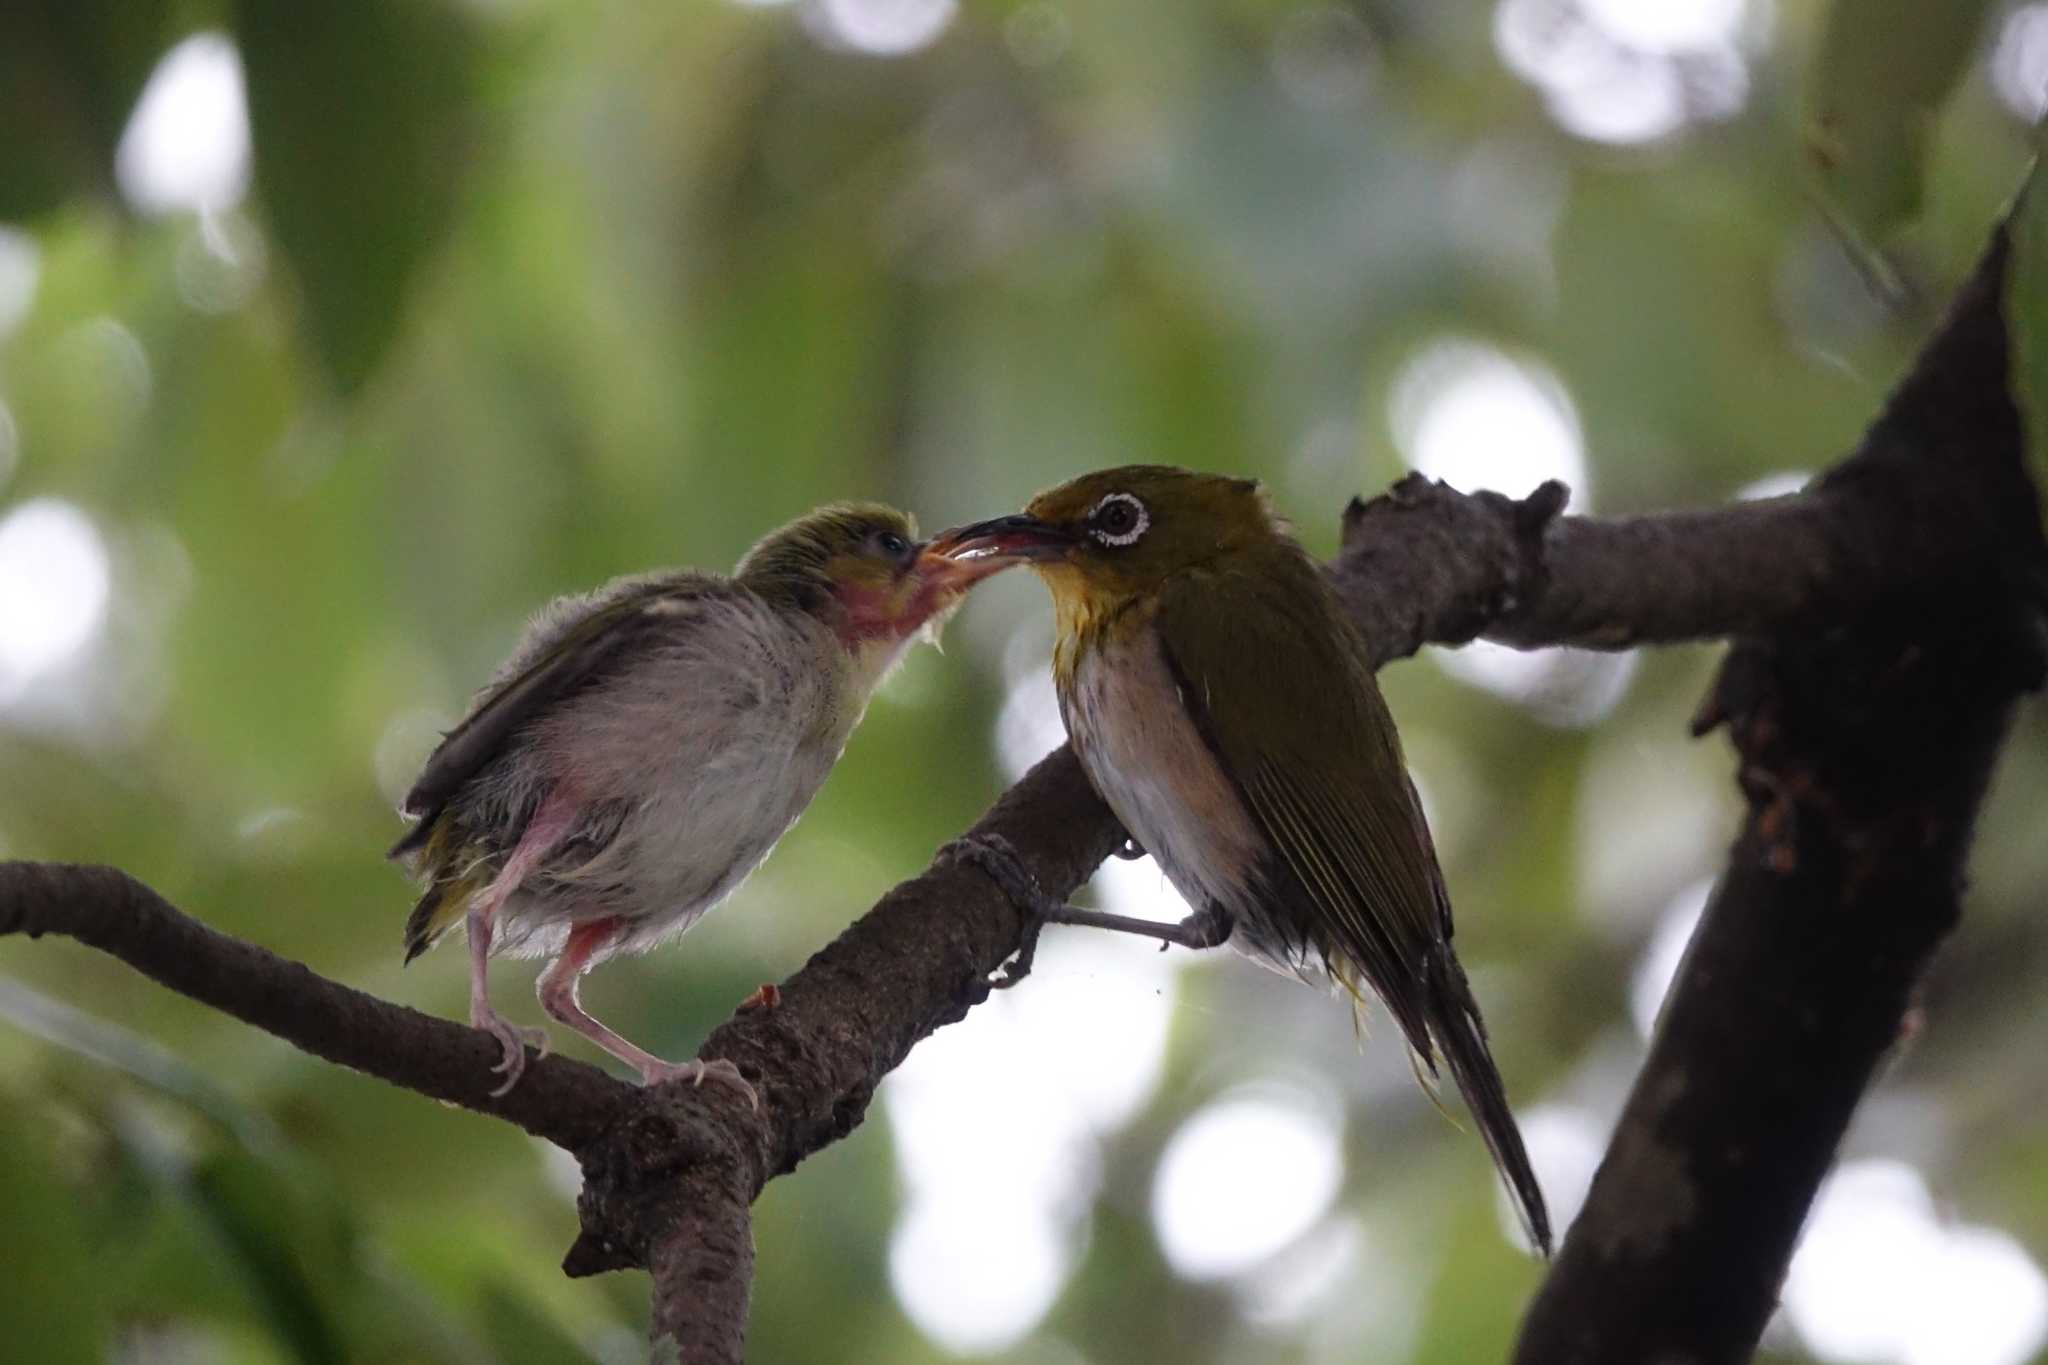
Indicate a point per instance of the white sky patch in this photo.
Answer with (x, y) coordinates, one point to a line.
(1016, 1097)
(1659, 966)
(1029, 726)
(1137, 887)
(2019, 64)
(1569, 688)
(1471, 415)
(1879, 1277)
(1565, 1146)
(21, 265)
(186, 147)
(1244, 1178)
(976, 1274)
(1780, 484)
(54, 578)
(881, 28)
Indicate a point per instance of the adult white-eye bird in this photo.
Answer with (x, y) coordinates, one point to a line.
(645, 747)
(1224, 705)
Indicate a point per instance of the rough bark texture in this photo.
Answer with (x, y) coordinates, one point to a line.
(1867, 707)
(1865, 749)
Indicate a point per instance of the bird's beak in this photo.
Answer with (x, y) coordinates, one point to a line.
(988, 546)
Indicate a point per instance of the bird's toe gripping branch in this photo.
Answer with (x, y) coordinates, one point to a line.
(999, 860)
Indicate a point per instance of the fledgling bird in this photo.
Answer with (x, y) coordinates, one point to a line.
(1224, 706)
(645, 747)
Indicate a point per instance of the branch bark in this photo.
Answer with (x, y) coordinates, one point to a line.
(1865, 751)
(670, 1172)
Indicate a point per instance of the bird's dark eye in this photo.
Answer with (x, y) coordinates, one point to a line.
(1118, 520)
(891, 544)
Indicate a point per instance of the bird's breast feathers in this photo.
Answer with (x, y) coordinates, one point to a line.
(1134, 735)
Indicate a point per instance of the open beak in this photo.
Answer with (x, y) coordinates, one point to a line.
(987, 546)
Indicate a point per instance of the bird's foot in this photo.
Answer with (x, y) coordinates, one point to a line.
(995, 855)
(657, 1072)
(513, 1039)
(999, 860)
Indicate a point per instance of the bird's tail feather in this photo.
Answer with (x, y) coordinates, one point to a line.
(1459, 1033)
(428, 920)
(456, 878)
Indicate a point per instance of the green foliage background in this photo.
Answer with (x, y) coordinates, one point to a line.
(533, 292)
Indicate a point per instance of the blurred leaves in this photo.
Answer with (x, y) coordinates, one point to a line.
(1878, 82)
(530, 294)
(69, 74)
(52, 1292)
(361, 119)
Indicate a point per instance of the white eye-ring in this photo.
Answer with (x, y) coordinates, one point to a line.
(1118, 520)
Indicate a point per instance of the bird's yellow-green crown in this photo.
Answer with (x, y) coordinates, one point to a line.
(807, 562)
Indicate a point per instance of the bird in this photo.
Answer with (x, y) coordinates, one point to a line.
(646, 745)
(1224, 706)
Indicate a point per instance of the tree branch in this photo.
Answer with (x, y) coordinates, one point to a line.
(1865, 750)
(564, 1101)
(670, 1172)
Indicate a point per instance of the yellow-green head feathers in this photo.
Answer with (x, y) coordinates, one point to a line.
(806, 564)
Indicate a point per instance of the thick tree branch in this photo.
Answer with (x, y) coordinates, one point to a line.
(670, 1173)
(1866, 748)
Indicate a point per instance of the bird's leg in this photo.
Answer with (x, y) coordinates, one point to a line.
(557, 989)
(512, 1038)
(556, 814)
(995, 856)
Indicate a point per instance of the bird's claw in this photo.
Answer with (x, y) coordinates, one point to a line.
(513, 1040)
(696, 1072)
(999, 860)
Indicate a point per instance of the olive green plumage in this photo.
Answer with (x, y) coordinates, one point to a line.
(1226, 708)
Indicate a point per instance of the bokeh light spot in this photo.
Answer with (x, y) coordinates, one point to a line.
(1470, 415)
(2019, 63)
(1242, 1179)
(1029, 726)
(1624, 73)
(1016, 1097)
(969, 1284)
(1565, 1145)
(1879, 1277)
(1669, 26)
(1782, 484)
(883, 28)
(53, 589)
(1569, 688)
(186, 146)
(21, 264)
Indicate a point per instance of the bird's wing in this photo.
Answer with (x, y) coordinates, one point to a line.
(564, 651)
(1308, 742)
(1307, 739)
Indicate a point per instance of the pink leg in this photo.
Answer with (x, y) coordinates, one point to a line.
(557, 990)
(556, 814)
